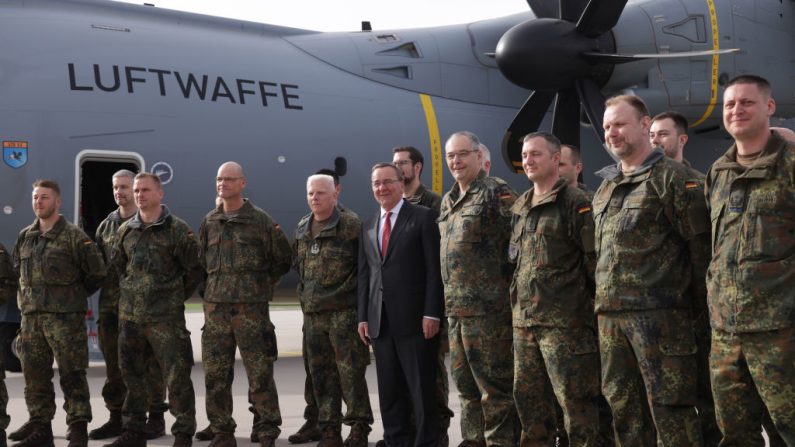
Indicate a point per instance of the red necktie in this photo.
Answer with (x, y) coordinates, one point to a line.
(387, 233)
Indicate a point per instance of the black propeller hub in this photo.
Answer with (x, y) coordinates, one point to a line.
(546, 54)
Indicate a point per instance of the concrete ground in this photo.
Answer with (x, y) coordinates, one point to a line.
(289, 372)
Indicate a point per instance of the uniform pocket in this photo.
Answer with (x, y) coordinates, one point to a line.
(468, 225)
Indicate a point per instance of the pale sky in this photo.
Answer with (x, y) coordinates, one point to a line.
(347, 15)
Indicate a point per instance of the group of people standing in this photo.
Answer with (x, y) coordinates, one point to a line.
(623, 313)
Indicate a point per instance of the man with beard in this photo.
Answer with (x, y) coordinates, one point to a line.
(410, 161)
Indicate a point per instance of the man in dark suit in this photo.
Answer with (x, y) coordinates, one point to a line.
(400, 305)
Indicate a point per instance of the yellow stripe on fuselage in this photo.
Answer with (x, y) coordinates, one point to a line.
(713, 20)
(435, 143)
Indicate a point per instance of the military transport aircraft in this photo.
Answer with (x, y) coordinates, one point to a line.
(91, 86)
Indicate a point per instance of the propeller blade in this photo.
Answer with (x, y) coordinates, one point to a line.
(571, 10)
(593, 102)
(600, 16)
(544, 8)
(566, 117)
(527, 120)
(596, 57)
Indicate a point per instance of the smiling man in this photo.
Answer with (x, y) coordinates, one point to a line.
(751, 193)
(475, 226)
(651, 228)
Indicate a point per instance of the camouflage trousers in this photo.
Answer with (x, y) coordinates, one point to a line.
(248, 327)
(169, 344)
(337, 363)
(114, 391)
(43, 336)
(650, 357)
(705, 404)
(4, 417)
(568, 359)
(751, 371)
(442, 385)
(481, 363)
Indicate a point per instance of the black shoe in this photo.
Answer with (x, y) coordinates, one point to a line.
(109, 429)
(330, 438)
(129, 439)
(182, 440)
(267, 441)
(444, 439)
(309, 432)
(22, 432)
(357, 436)
(78, 434)
(206, 434)
(40, 436)
(155, 426)
(224, 440)
(380, 443)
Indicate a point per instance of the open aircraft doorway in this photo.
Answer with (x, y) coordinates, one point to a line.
(93, 202)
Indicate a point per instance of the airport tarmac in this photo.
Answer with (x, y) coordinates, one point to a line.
(289, 373)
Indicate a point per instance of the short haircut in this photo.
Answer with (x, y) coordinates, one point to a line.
(49, 184)
(634, 101)
(576, 155)
(473, 139)
(124, 173)
(322, 178)
(388, 165)
(761, 83)
(553, 143)
(680, 122)
(414, 155)
(149, 175)
(331, 173)
(486, 152)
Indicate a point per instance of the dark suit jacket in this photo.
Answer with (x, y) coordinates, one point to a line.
(408, 281)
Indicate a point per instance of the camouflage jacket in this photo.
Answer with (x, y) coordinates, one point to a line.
(327, 263)
(244, 255)
(158, 267)
(752, 273)
(8, 278)
(552, 245)
(652, 228)
(425, 197)
(58, 269)
(475, 229)
(106, 236)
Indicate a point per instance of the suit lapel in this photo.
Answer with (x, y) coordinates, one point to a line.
(372, 234)
(400, 223)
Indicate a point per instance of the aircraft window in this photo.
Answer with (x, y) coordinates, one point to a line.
(398, 72)
(408, 49)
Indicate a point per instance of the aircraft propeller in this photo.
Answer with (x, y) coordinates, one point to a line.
(565, 55)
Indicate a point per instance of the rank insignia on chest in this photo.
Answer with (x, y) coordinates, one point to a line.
(691, 185)
(315, 248)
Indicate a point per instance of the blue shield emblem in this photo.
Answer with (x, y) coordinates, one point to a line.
(15, 153)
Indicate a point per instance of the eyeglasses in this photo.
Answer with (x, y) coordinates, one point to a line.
(460, 154)
(379, 183)
(226, 179)
(402, 162)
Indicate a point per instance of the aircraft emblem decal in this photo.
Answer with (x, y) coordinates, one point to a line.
(164, 171)
(15, 153)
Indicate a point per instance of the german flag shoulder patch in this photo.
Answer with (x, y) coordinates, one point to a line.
(691, 185)
(584, 209)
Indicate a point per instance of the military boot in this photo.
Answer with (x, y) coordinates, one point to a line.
(254, 435)
(22, 432)
(308, 432)
(267, 441)
(224, 440)
(40, 436)
(357, 436)
(129, 438)
(155, 426)
(330, 437)
(444, 439)
(182, 440)
(3, 438)
(207, 434)
(108, 429)
(78, 434)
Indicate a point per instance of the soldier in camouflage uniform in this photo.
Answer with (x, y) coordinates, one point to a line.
(751, 194)
(554, 331)
(475, 226)
(326, 253)
(156, 255)
(668, 131)
(244, 254)
(410, 161)
(651, 225)
(114, 391)
(8, 291)
(59, 267)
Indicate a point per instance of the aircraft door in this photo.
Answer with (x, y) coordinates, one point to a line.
(93, 202)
